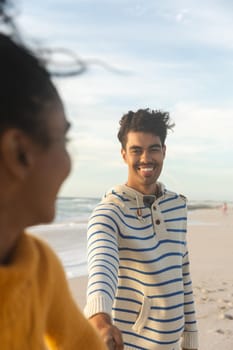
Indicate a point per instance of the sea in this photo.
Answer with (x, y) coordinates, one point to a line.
(67, 233)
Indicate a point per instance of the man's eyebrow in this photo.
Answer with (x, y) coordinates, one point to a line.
(156, 145)
(135, 147)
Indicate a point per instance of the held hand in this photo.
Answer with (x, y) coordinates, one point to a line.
(110, 334)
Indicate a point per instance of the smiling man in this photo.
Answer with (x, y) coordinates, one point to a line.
(139, 289)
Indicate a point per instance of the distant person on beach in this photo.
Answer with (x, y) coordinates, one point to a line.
(37, 309)
(139, 287)
(224, 208)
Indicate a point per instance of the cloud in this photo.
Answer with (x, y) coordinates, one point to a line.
(182, 16)
(212, 123)
(180, 59)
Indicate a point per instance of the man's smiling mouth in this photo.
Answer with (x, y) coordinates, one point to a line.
(146, 167)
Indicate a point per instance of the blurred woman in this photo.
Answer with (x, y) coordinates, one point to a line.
(37, 310)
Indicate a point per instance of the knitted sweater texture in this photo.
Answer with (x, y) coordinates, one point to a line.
(37, 311)
(139, 269)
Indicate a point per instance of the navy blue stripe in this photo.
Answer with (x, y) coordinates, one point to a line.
(189, 312)
(187, 283)
(125, 310)
(101, 224)
(102, 254)
(106, 262)
(102, 274)
(152, 284)
(101, 247)
(165, 332)
(157, 296)
(100, 232)
(153, 247)
(130, 289)
(133, 346)
(122, 321)
(153, 260)
(168, 199)
(119, 196)
(149, 339)
(167, 307)
(114, 210)
(105, 268)
(102, 291)
(173, 208)
(101, 282)
(128, 216)
(188, 293)
(139, 238)
(166, 320)
(157, 320)
(182, 218)
(167, 295)
(176, 230)
(129, 300)
(173, 267)
(125, 224)
(102, 240)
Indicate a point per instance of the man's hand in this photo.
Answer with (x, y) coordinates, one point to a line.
(110, 334)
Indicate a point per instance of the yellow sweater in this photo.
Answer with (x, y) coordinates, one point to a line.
(36, 307)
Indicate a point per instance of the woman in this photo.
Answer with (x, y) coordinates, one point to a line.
(37, 310)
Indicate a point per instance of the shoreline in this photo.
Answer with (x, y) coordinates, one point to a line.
(210, 242)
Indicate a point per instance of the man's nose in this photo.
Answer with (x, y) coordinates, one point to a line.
(145, 156)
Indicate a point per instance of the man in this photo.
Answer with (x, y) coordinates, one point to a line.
(139, 280)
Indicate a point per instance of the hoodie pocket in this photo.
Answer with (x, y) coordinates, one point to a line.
(143, 315)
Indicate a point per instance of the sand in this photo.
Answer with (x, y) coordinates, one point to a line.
(210, 243)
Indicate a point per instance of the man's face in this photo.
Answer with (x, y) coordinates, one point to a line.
(144, 155)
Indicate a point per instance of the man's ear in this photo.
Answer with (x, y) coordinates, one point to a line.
(123, 154)
(164, 151)
(16, 152)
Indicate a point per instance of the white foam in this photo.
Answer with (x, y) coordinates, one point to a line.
(69, 242)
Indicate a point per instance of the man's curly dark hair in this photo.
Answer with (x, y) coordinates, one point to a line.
(145, 120)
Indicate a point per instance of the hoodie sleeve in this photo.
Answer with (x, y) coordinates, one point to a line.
(190, 335)
(103, 261)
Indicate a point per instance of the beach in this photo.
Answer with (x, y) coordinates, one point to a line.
(210, 241)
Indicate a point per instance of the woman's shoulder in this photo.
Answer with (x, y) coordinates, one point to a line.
(47, 260)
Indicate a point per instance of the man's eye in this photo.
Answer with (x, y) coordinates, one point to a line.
(135, 151)
(156, 149)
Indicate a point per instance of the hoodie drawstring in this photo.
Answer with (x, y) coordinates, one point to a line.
(139, 211)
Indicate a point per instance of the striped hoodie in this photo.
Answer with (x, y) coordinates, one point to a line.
(138, 269)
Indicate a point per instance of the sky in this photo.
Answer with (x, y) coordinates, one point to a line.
(171, 55)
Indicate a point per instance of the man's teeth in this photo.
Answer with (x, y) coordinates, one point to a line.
(147, 169)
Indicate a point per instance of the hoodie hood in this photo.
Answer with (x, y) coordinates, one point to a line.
(122, 193)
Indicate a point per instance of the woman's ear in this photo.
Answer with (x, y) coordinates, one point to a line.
(16, 152)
